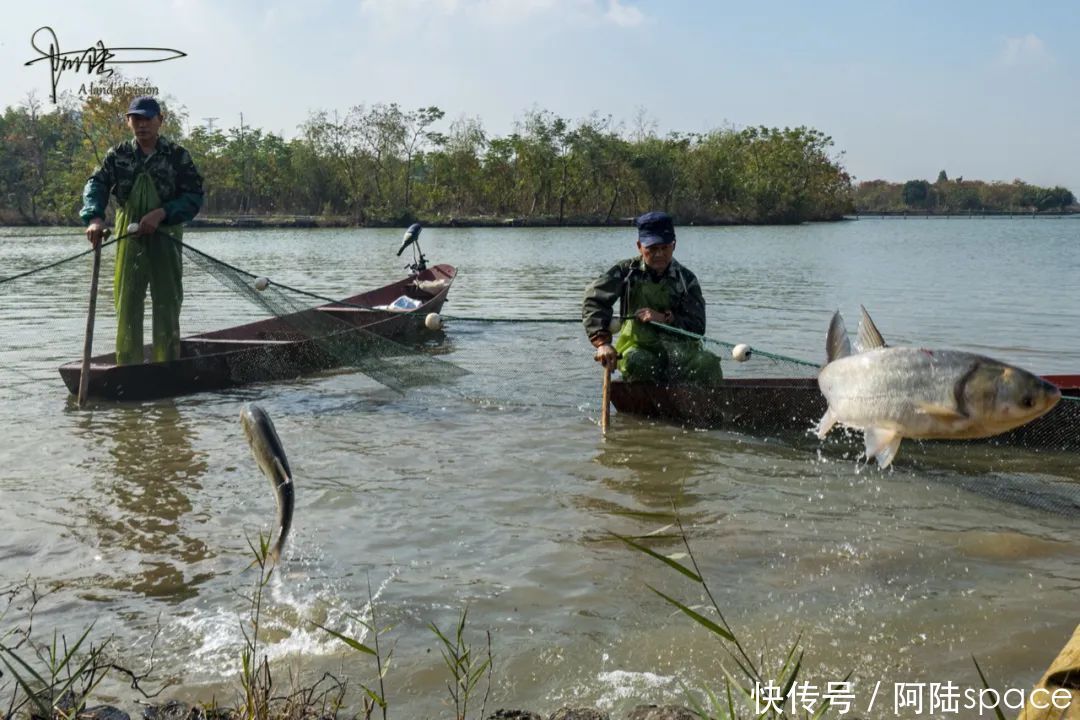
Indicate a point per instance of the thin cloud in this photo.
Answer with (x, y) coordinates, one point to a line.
(623, 15)
(1025, 51)
(505, 12)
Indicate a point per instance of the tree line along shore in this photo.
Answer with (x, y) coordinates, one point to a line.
(382, 165)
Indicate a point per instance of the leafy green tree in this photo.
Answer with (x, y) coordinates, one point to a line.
(500, 175)
(415, 138)
(916, 193)
(383, 164)
(964, 197)
(340, 141)
(457, 168)
(1057, 198)
(659, 163)
(601, 164)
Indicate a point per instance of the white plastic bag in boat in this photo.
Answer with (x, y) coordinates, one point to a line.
(402, 304)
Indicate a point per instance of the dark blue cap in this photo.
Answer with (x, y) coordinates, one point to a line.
(144, 105)
(655, 228)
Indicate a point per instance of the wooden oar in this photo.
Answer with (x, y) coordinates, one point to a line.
(84, 376)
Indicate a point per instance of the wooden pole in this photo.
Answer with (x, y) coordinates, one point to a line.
(84, 376)
(605, 400)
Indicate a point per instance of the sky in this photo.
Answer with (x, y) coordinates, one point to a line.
(985, 90)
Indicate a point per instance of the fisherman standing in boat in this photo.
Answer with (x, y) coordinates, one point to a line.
(651, 288)
(157, 187)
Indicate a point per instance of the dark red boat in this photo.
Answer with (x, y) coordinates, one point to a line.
(271, 349)
(796, 404)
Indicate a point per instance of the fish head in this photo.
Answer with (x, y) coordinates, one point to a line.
(1000, 397)
(265, 444)
(249, 420)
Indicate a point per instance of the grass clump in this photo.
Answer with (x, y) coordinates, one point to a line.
(53, 679)
(752, 691)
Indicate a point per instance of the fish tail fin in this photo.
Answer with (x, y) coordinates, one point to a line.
(825, 424)
(837, 344)
(882, 445)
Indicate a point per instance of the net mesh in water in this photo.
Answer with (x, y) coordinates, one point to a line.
(497, 360)
(288, 332)
(343, 333)
(776, 396)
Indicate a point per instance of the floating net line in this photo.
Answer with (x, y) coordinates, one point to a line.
(28, 357)
(1033, 466)
(495, 358)
(501, 358)
(46, 329)
(765, 364)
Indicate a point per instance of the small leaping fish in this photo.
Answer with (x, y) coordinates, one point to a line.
(892, 393)
(270, 456)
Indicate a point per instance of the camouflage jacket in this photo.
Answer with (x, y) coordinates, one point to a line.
(687, 302)
(178, 182)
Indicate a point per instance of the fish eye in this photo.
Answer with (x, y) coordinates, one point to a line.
(1027, 402)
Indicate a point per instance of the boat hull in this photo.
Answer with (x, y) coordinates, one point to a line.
(267, 350)
(794, 405)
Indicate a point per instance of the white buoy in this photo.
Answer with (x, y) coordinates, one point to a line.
(433, 321)
(741, 352)
(133, 228)
(262, 283)
(614, 326)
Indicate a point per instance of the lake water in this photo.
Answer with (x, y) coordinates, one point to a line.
(502, 500)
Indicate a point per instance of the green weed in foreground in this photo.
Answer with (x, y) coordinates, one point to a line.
(58, 684)
(466, 670)
(54, 680)
(737, 697)
(373, 696)
(257, 699)
(255, 680)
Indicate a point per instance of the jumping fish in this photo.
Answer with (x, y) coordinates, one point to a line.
(895, 392)
(270, 456)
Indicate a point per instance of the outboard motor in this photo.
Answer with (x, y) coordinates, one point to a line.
(412, 237)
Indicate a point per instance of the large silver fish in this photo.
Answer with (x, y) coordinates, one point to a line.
(266, 447)
(893, 393)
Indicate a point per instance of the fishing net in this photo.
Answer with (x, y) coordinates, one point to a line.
(285, 333)
(34, 270)
(529, 362)
(336, 333)
(508, 374)
(775, 396)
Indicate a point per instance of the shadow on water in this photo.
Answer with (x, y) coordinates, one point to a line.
(1043, 480)
(1046, 480)
(651, 472)
(141, 500)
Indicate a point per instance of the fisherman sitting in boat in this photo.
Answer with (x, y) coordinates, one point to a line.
(157, 189)
(651, 288)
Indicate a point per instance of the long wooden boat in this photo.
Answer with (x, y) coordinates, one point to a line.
(273, 349)
(794, 405)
